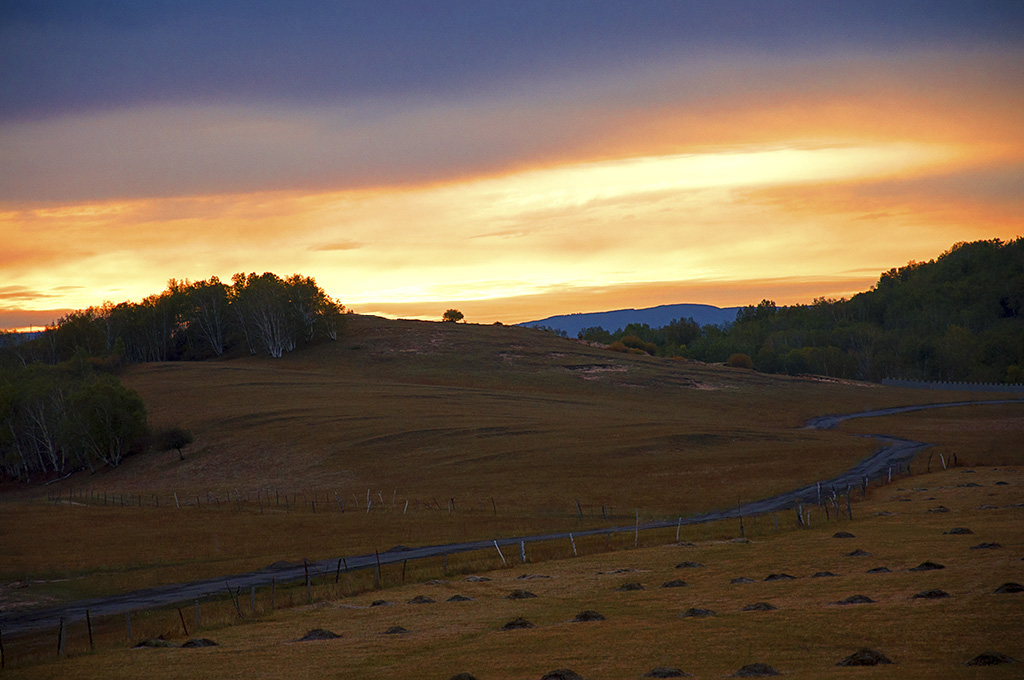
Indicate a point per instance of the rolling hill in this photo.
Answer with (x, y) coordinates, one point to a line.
(655, 317)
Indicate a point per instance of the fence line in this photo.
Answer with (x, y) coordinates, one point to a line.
(954, 386)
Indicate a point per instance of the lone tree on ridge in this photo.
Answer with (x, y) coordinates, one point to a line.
(453, 315)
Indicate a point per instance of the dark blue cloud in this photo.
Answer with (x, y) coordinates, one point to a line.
(57, 57)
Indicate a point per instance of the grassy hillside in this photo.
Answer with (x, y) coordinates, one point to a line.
(485, 431)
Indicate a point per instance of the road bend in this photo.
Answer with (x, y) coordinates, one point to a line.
(892, 453)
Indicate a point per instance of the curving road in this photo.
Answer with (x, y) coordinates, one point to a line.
(892, 454)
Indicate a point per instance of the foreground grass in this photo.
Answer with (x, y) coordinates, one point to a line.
(803, 638)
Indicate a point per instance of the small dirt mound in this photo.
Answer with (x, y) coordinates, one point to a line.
(856, 599)
(755, 670)
(689, 565)
(823, 574)
(858, 553)
(463, 676)
(665, 672)
(436, 582)
(742, 579)
(968, 485)
(589, 615)
(476, 579)
(200, 642)
(865, 657)
(395, 630)
(379, 603)
(939, 508)
(957, 531)
(779, 577)
(674, 583)
(318, 634)
(879, 570)
(516, 624)
(990, 659)
(1009, 587)
(156, 642)
(986, 546)
(927, 566)
(562, 674)
(759, 607)
(884, 513)
(626, 587)
(520, 595)
(934, 594)
(696, 612)
(422, 599)
(843, 534)
(459, 598)
(530, 577)
(1001, 483)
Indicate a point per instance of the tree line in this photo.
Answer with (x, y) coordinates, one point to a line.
(261, 314)
(959, 317)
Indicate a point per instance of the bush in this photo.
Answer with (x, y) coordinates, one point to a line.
(740, 360)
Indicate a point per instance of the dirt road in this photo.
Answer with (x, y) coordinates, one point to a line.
(892, 453)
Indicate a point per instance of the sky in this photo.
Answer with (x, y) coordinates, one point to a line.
(514, 160)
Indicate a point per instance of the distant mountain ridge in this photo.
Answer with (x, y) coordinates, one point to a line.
(655, 317)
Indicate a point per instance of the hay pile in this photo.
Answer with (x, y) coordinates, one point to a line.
(865, 657)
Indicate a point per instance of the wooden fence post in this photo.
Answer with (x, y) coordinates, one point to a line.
(404, 562)
(522, 551)
(573, 541)
(376, 574)
(305, 566)
(234, 600)
(61, 634)
(679, 523)
(636, 535)
(88, 623)
(499, 553)
(181, 617)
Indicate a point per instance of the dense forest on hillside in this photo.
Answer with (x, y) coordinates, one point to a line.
(959, 317)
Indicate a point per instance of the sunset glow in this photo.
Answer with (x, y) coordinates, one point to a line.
(720, 178)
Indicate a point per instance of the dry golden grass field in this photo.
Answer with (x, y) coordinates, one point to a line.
(458, 432)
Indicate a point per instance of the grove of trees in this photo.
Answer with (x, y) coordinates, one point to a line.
(264, 314)
(57, 419)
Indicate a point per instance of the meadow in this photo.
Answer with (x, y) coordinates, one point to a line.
(413, 433)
